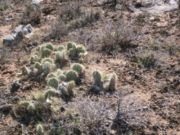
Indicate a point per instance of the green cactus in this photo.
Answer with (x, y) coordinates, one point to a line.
(26, 71)
(60, 48)
(79, 68)
(45, 52)
(97, 78)
(53, 82)
(38, 66)
(47, 60)
(72, 75)
(49, 46)
(71, 45)
(81, 49)
(62, 77)
(77, 52)
(34, 58)
(112, 82)
(66, 89)
(61, 58)
(51, 75)
(39, 129)
(70, 87)
(50, 93)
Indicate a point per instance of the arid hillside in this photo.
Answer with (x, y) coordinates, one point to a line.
(89, 67)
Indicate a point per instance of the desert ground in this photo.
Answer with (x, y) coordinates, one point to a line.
(89, 67)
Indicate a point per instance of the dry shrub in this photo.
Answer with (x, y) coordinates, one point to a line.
(117, 37)
(94, 115)
(71, 17)
(32, 14)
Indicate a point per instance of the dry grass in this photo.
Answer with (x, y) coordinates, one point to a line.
(117, 38)
(71, 17)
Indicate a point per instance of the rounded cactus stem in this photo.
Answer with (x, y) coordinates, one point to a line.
(71, 45)
(34, 58)
(81, 49)
(47, 60)
(72, 76)
(70, 87)
(113, 82)
(51, 75)
(50, 93)
(62, 77)
(97, 78)
(61, 58)
(60, 48)
(53, 82)
(50, 46)
(46, 52)
(38, 66)
(39, 129)
(79, 68)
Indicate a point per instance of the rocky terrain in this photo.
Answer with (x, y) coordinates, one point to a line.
(89, 67)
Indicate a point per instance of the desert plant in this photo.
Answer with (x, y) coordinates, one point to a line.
(66, 89)
(49, 46)
(72, 75)
(61, 58)
(76, 52)
(46, 52)
(118, 37)
(62, 77)
(71, 45)
(97, 79)
(34, 58)
(110, 83)
(50, 93)
(39, 129)
(53, 82)
(79, 68)
(147, 60)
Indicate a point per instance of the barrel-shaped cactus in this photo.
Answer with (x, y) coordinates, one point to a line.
(79, 68)
(72, 75)
(76, 52)
(97, 78)
(34, 58)
(49, 46)
(71, 45)
(45, 52)
(113, 82)
(50, 93)
(66, 89)
(61, 58)
(62, 77)
(53, 82)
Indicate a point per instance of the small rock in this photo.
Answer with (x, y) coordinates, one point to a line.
(17, 35)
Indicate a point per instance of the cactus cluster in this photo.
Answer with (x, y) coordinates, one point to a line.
(33, 109)
(66, 89)
(104, 82)
(76, 52)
